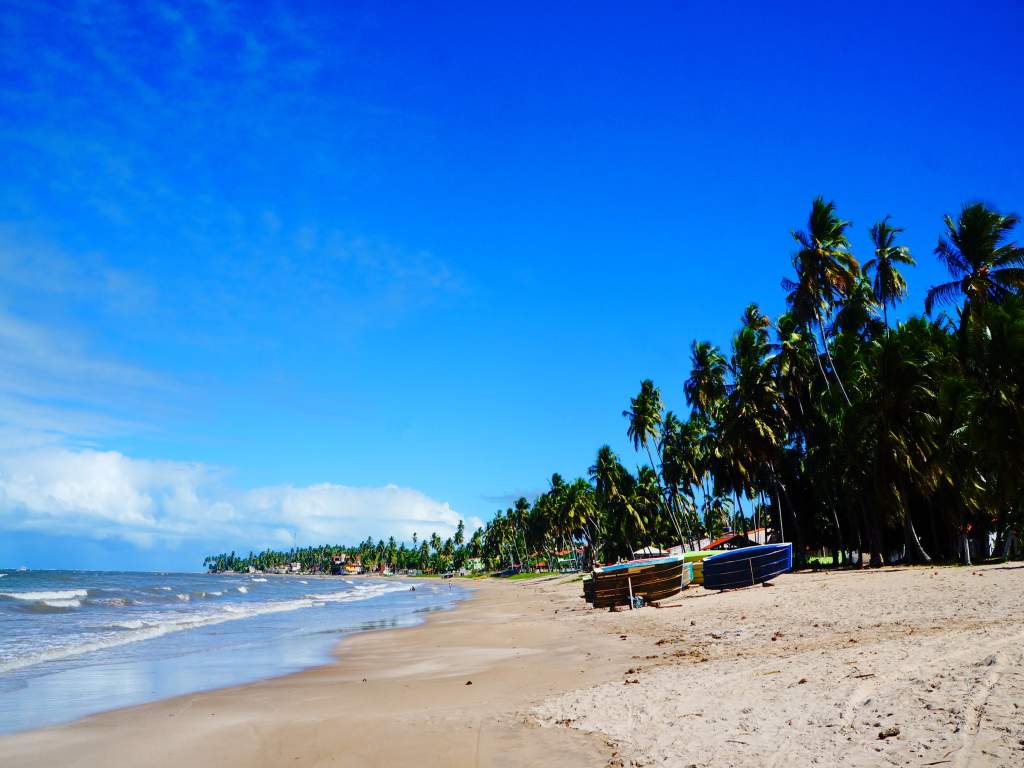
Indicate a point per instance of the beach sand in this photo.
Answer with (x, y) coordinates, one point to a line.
(808, 672)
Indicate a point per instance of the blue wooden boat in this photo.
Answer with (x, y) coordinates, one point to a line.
(747, 566)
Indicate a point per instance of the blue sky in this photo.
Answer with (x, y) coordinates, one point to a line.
(290, 273)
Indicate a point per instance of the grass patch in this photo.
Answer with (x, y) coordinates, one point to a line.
(521, 576)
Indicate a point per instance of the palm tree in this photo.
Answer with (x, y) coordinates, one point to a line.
(992, 350)
(826, 270)
(754, 415)
(858, 312)
(984, 267)
(613, 491)
(677, 471)
(756, 320)
(888, 284)
(705, 387)
(644, 416)
(895, 423)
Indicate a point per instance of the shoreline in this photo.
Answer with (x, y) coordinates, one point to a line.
(389, 694)
(900, 666)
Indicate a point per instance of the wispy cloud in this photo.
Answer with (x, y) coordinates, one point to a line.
(49, 383)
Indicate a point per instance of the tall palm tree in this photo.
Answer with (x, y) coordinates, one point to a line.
(754, 416)
(992, 349)
(756, 320)
(896, 423)
(705, 387)
(826, 271)
(888, 284)
(858, 313)
(644, 429)
(613, 490)
(984, 266)
(644, 416)
(676, 472)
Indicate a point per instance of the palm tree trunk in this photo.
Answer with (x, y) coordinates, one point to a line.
(874, 537)
(831, 362)
(964, 544)
(661, 488)
(1000, 529)
(914, 547)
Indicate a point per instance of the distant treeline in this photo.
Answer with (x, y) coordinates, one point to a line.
(432, 554)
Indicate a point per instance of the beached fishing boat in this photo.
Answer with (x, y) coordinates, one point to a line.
(696, 559)
(747, 566)
(651, 579)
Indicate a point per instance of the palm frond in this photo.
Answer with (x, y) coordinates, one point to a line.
(946, 293)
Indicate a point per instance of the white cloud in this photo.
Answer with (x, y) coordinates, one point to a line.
(107, 495)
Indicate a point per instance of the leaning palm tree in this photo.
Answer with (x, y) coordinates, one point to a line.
(826, 271)
(644, 416)
(888, 284)
(984, 266)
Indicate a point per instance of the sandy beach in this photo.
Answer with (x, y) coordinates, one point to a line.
(914, 667)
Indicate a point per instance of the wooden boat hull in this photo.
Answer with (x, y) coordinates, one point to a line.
(658, 579)
(747, 566)
(697, 560)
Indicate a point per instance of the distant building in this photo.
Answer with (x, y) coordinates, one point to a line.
(735, 540)
(294, 567)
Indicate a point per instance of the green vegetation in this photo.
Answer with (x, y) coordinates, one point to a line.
(826, 425)
(433, 555)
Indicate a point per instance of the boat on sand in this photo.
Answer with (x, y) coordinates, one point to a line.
(696, 559)
(652, 579)
(747, 566)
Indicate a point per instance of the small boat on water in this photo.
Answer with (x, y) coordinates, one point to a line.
(747, 566)
(652, 579)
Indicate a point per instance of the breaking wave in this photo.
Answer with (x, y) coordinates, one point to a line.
(136, 630)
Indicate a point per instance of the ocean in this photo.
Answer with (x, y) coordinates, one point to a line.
(73, 643)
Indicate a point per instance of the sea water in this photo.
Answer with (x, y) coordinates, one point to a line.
(74, 643)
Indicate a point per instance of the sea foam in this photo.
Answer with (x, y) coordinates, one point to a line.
(133, 631)
(67, 594)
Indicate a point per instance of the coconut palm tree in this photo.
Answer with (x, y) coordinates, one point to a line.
(826, 271)
(857, 314)
(644, 416)
(753, 416)
(705, 387)
(992, 351)
(895, 420)
(984, 266)
(613, 490)
(888, 284)
(644, 429)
